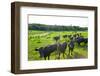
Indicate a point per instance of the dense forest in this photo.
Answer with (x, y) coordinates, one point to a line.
(44, 27)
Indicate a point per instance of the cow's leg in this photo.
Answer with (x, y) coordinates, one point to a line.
(59, 55)
(63, 55)
(45, 58)
(49, 57)
(56, 55)
(72, 51)
(69, 51)
(79, 44)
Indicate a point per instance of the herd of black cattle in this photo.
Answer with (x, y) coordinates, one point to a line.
(60, 48)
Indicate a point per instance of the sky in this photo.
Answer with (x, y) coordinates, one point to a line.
(58, 20)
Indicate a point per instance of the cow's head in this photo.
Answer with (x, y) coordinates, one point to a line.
(40, 50)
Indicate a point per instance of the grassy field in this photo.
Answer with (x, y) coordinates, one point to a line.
(38, 39)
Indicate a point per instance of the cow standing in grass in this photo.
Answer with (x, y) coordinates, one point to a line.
(71, 47)
(62, 49)
(79, 40)
(57, 53)
(46, 51)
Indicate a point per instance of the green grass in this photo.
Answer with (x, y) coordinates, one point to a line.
(35, 41)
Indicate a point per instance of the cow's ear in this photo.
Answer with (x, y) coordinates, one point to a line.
(36, 49)
(41, 47)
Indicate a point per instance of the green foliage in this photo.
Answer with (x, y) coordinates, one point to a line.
(44, 27)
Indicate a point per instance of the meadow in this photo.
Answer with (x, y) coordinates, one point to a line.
(37, 39)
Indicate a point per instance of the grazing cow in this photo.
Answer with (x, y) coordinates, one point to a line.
(69, 36)
(81, 39)
(46, 51)
(86, 40)
(56, 38)
(74, 35)
(65, 36)
(71, 47)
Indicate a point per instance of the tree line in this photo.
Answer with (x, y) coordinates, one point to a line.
(45, 27)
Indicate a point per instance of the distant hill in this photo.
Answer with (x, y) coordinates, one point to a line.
(44, 27)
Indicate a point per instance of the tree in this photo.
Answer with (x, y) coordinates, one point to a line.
(44, 27)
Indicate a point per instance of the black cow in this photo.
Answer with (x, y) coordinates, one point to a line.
(56, 38)
(62, 49)
(71, 47)
(81, 39)
(69, 36)
(46, 51)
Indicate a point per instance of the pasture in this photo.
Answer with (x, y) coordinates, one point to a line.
(37, 39)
